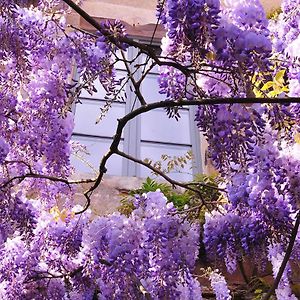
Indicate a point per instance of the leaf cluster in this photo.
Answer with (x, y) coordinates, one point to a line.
(205, 185)
(168, 163)
(151, 185)
(272, 88)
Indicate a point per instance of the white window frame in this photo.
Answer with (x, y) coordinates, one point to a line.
(132, 132)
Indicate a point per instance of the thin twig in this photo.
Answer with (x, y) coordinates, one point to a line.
(135, 84)
(47, 177)
(207, 185)
(243, 272)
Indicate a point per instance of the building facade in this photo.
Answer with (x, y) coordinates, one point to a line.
(148, 136)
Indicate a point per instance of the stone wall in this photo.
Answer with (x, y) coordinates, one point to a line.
(106, 198)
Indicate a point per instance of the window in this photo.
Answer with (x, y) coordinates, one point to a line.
(147, 136)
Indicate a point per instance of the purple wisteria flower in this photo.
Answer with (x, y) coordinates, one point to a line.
(219, 286)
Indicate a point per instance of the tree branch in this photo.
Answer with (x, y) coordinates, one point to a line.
(155, 170)
(166, 104)
(243, 272)
(144, 48)
(135, 84)
(47, 177)
(285, 259)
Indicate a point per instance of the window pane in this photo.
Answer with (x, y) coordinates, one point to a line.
(150, 89)
(156, 126)
(97, 148)
(154, 151)
(87, 114)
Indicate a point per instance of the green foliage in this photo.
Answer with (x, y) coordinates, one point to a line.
(150, 185)
(258, 287)
(277, 86)
(126, 207)
(170, 163)
(204, 190)
(296, 288)
(208, 187)
(258, 293)
(271, 88)
(273, 14)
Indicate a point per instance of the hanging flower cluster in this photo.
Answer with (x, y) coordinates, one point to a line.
(68, 257)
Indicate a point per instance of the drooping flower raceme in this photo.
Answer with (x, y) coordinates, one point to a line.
(222, 46)
(232, 131)
(286, 38)
(68, 257)
(152, 247)
(219, 286)
(263, 199)
(190, 30)
(283, 290)
(37, 57)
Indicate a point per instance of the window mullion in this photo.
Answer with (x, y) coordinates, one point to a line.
(132, 135)
(195, 141)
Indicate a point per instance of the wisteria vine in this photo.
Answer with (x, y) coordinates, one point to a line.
(222, 57)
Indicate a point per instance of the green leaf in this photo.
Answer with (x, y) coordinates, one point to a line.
(279, 77)
(268, 85)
